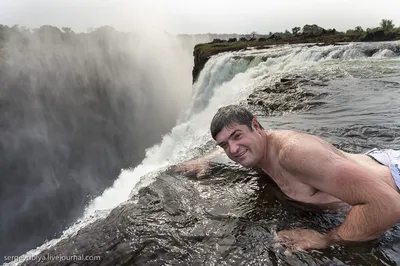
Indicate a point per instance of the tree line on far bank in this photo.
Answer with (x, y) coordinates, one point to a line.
(385, 25)
(386, 31)
(385, 28)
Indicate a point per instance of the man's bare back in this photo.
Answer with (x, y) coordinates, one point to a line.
(298, 190)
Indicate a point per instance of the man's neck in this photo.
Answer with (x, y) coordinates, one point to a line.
(265, 162)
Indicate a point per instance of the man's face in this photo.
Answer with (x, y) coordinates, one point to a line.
(242, 145)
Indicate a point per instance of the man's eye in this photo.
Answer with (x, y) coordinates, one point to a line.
(237, 136)
(223, 145)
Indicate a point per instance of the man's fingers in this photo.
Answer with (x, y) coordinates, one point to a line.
(284, 235)
(185, 169)
(300, 240)
(283, 241)
(296, 248)
(292, 248)
(292, 243)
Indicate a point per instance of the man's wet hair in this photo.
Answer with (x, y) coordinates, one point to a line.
(228, 115)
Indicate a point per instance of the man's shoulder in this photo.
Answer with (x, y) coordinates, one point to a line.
(292, 146)
(291, 137)
(286, 139)
(282, 143)
(282, 136)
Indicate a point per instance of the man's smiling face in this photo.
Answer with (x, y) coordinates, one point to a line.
(241, 144)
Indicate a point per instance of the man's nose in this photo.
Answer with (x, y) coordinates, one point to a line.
(233, 148)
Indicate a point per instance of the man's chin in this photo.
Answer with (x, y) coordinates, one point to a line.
(247, 164)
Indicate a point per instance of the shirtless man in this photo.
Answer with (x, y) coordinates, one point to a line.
(309, 169)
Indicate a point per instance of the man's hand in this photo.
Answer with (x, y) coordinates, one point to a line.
(199, 167)
(302, 239)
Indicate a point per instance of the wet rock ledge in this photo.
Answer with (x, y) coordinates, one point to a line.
(286, 96)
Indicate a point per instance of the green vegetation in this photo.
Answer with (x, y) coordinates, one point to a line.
(387, 25)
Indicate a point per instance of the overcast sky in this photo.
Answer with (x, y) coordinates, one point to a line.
(199, 16)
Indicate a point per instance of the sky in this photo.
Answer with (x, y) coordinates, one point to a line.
(199, 16)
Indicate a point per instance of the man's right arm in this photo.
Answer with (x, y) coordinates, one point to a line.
(199, 165)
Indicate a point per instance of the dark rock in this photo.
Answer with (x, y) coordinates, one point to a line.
(286, 96)
(284, 80)
(370, 52)
(200, 59)
(171, 223)
(203, 52)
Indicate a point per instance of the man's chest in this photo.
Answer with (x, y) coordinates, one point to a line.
(291, 186)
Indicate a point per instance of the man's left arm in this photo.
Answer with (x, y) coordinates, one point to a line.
(375, 205)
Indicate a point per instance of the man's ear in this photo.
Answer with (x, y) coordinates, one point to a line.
(255, 124)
